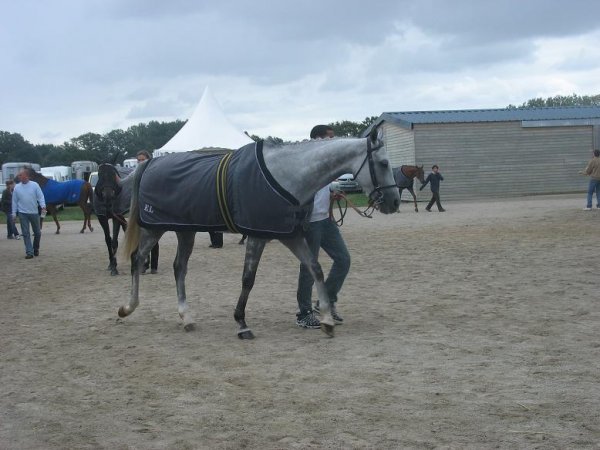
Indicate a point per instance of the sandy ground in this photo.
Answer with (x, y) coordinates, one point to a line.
(476, 328)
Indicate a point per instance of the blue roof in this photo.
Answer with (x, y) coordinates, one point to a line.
(408, 118)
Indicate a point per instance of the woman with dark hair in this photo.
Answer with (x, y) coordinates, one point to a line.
(152, 261)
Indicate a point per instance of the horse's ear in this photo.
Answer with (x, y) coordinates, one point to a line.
(373, 134)
(114, 160)
(376, 134)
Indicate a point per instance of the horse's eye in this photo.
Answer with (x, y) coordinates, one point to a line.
(384, 162)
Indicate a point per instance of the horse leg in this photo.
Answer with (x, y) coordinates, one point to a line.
(115, 235)
(112, 261)
(51, 209)
(254, 250)
(185, 245)
(412, 191)
(299, 247)
(87, 217)
(148, 239)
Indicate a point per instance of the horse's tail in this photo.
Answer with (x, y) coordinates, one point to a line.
(132, 235)
(88, 199)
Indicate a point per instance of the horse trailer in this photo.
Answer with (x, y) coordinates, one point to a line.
(131, 163)
(11, 169)
(83, 169)
(58, 173)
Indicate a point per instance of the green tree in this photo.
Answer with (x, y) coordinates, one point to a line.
(560, 100)
(347, 128)
(14, 148)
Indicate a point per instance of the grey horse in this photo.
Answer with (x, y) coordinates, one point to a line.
(299, 169)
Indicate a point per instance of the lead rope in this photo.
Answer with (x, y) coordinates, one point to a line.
(343, 209)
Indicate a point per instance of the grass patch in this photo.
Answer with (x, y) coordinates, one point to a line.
(65, 214)
(75, 212)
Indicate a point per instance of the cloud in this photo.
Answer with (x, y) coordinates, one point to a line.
(277, 68)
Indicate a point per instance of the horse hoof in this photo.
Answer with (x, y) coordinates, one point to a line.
(114, 272)
(82, 231)
(57, 231)
(122, 312)
(91, 229)
(245, 334)
(189, 327)
(329, 330)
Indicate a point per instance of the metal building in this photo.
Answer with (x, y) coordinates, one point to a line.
(496, 152)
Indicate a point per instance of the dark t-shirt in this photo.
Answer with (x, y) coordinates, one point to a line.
(7, 201)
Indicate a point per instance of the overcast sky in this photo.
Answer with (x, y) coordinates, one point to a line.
(278, 67)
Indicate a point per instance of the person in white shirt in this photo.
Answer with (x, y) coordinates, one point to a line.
(322, 233)
(27, 196)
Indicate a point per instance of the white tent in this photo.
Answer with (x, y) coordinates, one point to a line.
(208, 128)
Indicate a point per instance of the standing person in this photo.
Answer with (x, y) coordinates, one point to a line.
(434, 179)
(593, 171)
(152, 260)
(27, 196)
(11, 228)
(322, 232)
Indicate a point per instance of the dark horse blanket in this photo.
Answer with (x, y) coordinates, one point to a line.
(178, 192)
(402, 181)
(56, 192)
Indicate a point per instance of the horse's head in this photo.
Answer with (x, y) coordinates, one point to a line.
(420, 174)
(377, 179)
(108, 188)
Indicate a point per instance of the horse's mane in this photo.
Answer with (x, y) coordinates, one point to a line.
(304, 143)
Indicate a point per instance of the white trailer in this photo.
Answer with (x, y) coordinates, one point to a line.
(58, 173)
(131, 162)
(83, 169)
(11, 169)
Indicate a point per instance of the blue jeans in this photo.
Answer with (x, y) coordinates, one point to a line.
(34, 221)
(594, 186)
(11, 228)
(326, 235)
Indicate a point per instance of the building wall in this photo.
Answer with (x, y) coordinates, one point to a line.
(400, 144)
(496, 159)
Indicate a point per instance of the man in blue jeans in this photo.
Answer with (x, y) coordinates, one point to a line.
(593, 171)
(26, 198)
(322, 233)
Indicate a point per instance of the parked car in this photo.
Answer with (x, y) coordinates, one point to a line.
(346, 183)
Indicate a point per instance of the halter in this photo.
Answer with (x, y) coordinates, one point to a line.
(376, 195)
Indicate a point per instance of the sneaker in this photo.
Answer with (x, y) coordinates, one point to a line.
(36, 253)
(308, 321)
(442, 210)
(428, 209)
(587, 209)
(9, 237)
(29, 257)
(153, 271)
(17, 237)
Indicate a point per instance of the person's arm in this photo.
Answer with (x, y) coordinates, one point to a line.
(40, 197)
(441, 177)
(427, 180)
(15, 202)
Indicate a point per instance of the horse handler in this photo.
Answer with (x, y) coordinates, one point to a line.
(322, 233)
(26, 198)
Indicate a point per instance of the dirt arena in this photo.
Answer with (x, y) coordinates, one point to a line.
(476, 328)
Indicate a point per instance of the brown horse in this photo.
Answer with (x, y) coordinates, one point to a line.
(404, 177)
(59, 192)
